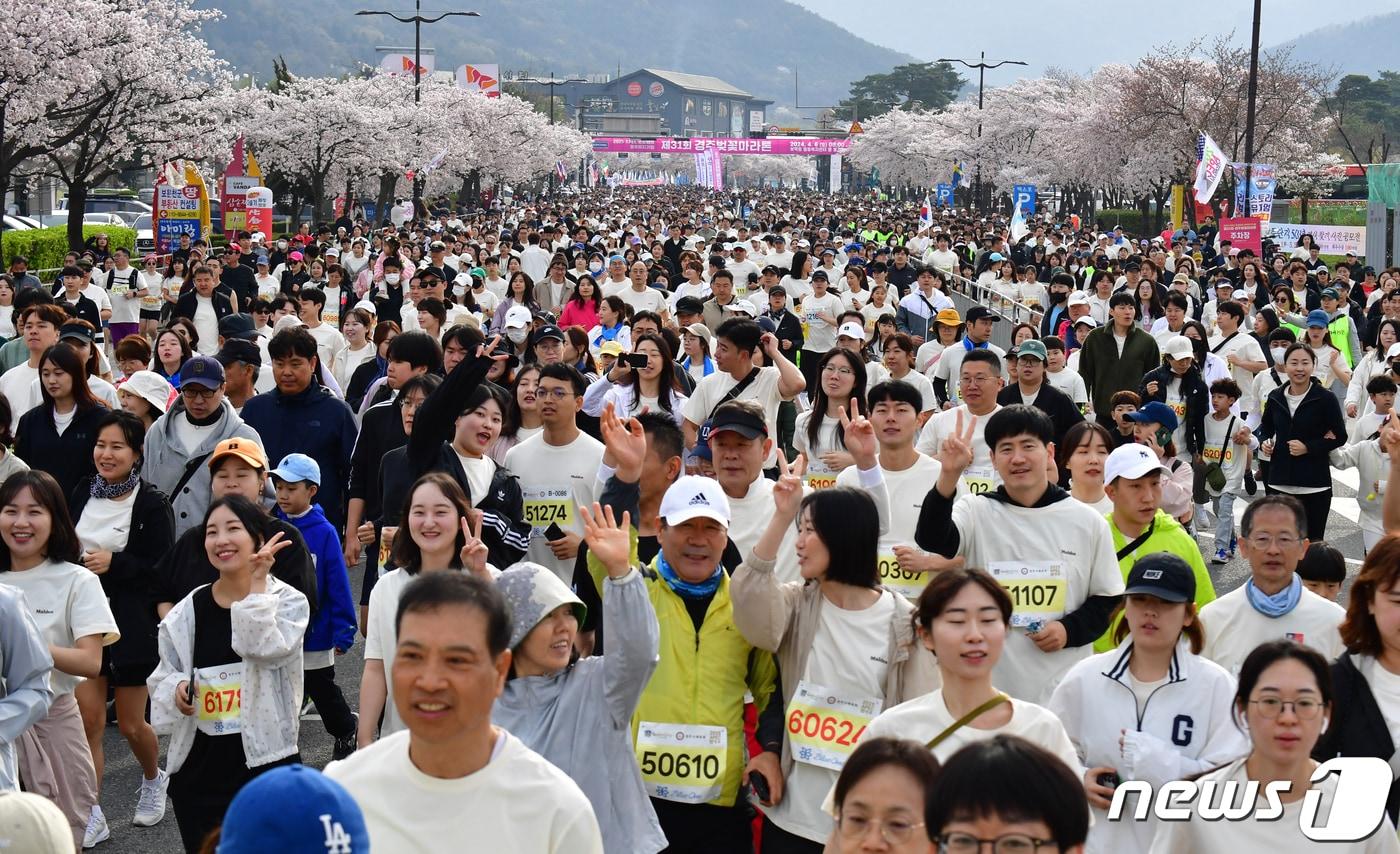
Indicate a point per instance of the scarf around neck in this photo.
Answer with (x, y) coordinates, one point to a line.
(1278, 605)
(683, 588)
(102, 489)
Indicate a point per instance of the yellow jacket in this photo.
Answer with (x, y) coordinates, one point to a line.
(701, 677)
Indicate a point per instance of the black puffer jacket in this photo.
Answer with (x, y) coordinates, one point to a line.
(1197, 396)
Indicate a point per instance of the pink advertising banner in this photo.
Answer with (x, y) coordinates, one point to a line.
(724, 145)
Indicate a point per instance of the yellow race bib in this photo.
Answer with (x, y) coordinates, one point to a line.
(682, 762)
(549, 505)
(819, 475)
(824, 726)
(219, 699)
(980, 479)
(910, 584)
(1037, 591)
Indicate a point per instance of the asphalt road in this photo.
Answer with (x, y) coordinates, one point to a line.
(123, 774)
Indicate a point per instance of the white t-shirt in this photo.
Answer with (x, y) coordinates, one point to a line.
(517, 802)
(923, 718)
(1069, 382)
(67, 603)
(106, 522)
(555, 481)
(329, 342)
(381, 639)
(124, 309)
(479, 471)
(821, 335)
(649, 299)
(848, 659)
(206, 323)
(1233, 459)
(949, 367)
(347, 360)
(1248, 349)
(1263, 837)
(920, 382)
(1385, 687)
(981, 475)
(1064, 549)
(1234, 628)
(712, 389)
(16, 385)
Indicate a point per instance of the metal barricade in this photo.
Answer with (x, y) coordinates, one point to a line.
(966, 293)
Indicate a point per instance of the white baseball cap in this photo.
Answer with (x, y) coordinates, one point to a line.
(1393, 351)
(1239, 295)
(692, 497)
(851, 329)
(518, 317)
(1179, 347)
(742, 305)
(1087, 320)
(1131, 461)
(1078, 298)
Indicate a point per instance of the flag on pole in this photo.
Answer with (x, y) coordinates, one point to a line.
(1018, 223)
(1209, 169)
(926, 214)
(957, 174)
(561, 170)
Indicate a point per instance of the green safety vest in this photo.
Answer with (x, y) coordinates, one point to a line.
(1339, 334)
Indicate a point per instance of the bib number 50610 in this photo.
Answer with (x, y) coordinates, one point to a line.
(667, 764)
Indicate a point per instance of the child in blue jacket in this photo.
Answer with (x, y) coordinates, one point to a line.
(332, 629)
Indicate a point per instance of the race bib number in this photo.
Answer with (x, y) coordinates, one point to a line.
(980, 479)
(910, 584)
(823, 726)
(549, 505)
(1036, 588)
(1212, 455)
(331, 318)
(681, 762)
(219, 699)
(1179, 407)
(819, 475)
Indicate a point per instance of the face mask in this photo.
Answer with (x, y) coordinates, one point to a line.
(1278, 353)
(281, 244)
(595, 268)
(1074, 268)
(1058, 297)
(391, 278)
(516, 336)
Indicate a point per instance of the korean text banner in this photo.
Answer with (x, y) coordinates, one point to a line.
(724, 145)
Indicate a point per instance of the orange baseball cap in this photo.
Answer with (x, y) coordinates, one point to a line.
(245, 449)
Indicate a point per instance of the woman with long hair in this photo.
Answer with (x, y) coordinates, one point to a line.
(39, 555)
(519, 291)
(437, 531)
(1148, 304)
(582, 307)
(228, 688)
(879, 798)
(695, 343)
(1082, 453)
(819, 436)
(58, 435)
(171, 285)
(522, 419)
(577, 352)
(371, 370)
(125, 526)
(1132, 730)
(856, 294)
(654, 387)
(357, 327)
(172, 350)
(1284, 701)
(844, 643)
(1211, 365)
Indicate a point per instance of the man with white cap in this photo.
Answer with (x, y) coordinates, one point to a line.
(739, 265)
(694, 703)
(819, 310)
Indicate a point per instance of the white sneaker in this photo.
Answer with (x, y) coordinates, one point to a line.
(97, 830)
(150, 801)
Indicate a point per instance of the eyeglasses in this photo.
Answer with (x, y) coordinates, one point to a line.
(895, 831)
(1011, 843)
(839, 370)
(1306, 708)
(1264, 542)
(554, 393)
(197, 391)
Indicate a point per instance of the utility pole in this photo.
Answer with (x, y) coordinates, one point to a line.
(1249, 113)
(981, 68)
(551, 81)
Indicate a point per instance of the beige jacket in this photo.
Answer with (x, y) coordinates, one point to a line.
(783, 619)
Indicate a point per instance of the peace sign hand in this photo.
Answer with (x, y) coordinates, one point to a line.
(488, 350)
(955, 453)
(474, 551)
(860, 436)
(262, 560)
(787, 493)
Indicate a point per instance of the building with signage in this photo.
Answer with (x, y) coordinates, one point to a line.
(651, 102)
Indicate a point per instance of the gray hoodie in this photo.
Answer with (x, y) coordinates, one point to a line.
(580, 719)
(166, 460)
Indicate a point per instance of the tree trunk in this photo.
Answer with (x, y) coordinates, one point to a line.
(77, 205)
(318, 197)
(296, 210)
(1304, 200)
(387, 180)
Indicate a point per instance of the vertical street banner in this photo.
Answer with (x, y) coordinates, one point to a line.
(835, 174)
(1178, 205)
(484, 77)
(1262, 183)
(180, 207)
(1209, 169)
(242, 175)
(1023, 196)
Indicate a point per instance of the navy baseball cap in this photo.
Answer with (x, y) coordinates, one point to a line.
(1155, 412)
(202, 370)
(237, 326)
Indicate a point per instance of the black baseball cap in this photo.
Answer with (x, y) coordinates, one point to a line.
(549, 331)
(738, 420)
(239, 350)
(689, 305)
(80, 331)
(980, 312)
(237, 326)
(1164, 575)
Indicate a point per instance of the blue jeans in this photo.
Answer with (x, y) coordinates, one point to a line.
(1224, 507)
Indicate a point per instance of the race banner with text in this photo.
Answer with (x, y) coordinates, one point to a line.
(724, 145)
(1262, 184)
(1331, 239)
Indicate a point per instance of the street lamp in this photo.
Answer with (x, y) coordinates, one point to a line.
(1249, 114)
(981, 68)
(551, 81)
(418, 19)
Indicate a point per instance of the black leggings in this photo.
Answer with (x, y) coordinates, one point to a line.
(330, 702)
(702, 828)
(198, 813)
(1317, 505)
(779, 841)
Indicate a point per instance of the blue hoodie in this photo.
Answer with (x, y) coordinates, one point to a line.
(335, 622)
